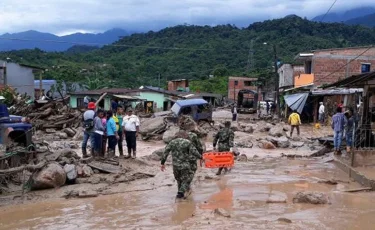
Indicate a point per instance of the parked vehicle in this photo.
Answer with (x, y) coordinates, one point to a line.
(246, 105)
(199, 109)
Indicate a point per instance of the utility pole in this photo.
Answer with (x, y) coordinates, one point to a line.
(276, 100)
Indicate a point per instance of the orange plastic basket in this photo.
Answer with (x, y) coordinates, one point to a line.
(218, 159)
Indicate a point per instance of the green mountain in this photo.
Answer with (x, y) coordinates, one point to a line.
(195, 52)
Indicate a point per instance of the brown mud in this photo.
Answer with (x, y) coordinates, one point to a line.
(236, 200)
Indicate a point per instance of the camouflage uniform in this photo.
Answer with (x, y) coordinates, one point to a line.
(198, 145)
(225, 137)
(183, 153)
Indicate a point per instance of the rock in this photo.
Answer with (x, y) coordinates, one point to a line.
(79, 171)
(170, 134)
(244, 143)
(222, 212)
(50, 131)
(235, 127)
(281, 142)
(79, 134)
(286, 220)
(297, 138)
(264, 126)
(277, 131)
(286, 128)
(274, 199)
(248, 129)
(71, 172)
(87, 194)
(297, 144)
(157, 154)
(62, 135)
(70, 132)
(152, 126)
(51, 176)
(87, 171)
(311, 198)
(266, 145)
(242, 158)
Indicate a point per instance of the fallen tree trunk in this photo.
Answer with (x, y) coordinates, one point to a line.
(21, 168)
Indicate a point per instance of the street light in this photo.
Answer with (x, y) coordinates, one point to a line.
(276, 99)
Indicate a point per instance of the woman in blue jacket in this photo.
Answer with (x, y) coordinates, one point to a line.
(112, 134)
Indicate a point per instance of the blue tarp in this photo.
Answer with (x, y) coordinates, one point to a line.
(296, 101)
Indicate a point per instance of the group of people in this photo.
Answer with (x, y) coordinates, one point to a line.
(186, 149)
(106, 130)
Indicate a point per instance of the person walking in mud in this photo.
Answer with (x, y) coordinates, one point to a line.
(224, 138)
(89, 126)
(294, 121)
(112, 134)
(188, 125)
(338, 124)
(130, 125)
(183, 153)
(119, 117)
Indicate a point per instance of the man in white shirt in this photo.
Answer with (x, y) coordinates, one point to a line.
(321, 112)
(130, 126)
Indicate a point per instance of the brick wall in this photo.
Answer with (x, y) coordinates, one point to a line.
(326, 62)
(234, 89)
(174, 85)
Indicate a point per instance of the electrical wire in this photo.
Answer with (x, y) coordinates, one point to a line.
(328, 10)
(338, 69)
(114, 45)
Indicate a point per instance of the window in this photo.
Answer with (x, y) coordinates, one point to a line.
(235, 82)
(80, 103)
(308, 67)
(365, 68)
(248, 83)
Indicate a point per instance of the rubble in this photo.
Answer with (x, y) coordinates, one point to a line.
(170, 134)
(311, 198)
(152, 127)
(266, 145)
(51, 176)
(71, 173)
(277, 131)
(222, 212)
(281, 142)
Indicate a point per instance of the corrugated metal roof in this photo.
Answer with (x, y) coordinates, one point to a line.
(336, 91)
(191, 102)
(355, 80)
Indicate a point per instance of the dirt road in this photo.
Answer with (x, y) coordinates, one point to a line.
(241, 196)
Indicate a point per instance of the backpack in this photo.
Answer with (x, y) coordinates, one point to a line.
(89, 123)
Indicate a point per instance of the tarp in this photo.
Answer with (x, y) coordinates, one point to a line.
(337, 91)
(296, 101)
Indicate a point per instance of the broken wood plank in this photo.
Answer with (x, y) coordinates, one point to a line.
(358, 189)
(21, 168)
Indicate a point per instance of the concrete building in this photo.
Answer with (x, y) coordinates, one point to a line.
(286, 77)
(179, 85)
(235, 84)
(20, 77)
(322, 67)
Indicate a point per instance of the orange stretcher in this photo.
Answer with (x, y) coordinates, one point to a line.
(218, 159)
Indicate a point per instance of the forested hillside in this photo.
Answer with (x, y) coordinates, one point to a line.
(193, 52)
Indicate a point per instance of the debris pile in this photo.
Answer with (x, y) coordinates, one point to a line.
(51, 115)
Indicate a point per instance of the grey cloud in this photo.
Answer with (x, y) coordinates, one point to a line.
(57, 16)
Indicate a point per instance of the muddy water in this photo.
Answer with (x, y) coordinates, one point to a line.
(242, 193)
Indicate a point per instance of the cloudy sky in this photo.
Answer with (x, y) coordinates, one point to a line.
(68, 16)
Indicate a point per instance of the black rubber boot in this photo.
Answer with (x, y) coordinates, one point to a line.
(84, 153)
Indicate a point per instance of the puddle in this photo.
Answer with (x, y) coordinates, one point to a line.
(242, 193)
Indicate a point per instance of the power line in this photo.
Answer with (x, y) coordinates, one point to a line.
(328, 10)
(114, 45)
(338, 69)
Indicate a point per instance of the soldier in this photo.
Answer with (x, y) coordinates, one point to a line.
(187, 124)
(225, 138)
(183, 153)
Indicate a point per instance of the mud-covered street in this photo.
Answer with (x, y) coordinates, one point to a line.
(256, 195)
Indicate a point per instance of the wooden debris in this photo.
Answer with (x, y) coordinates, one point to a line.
(358, 190)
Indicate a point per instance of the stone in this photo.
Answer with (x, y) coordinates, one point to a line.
(157, 154)
(170, 134)
(152, 126)
(286, 128)
(297, 144)
(87, 171)
(285, 220)
(62, 135)
(71, 172)
(70, 132)
(79, 171)
(264, 126)
(277, 131)
(222, 212)
(276, 199)
(87, 194)
(244, 144)
(266, 145)
(248, 129)
(281, 142)
(235, 127)
(79, 134)
(242, 158)
(51, 176)
(311, 198)
(50, 131)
